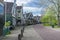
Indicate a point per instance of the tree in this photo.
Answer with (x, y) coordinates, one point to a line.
(56, 3)
(50, 16)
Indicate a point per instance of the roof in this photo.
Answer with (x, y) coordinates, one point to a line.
(29, 14)
(19, 7)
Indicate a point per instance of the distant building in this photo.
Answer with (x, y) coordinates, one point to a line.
(24, 15)
(37, 18)
(28, 18)
(29, 15)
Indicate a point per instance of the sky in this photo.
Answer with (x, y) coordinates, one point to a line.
(34, 6)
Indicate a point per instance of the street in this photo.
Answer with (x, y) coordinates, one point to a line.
(47, 33)
(35, 32)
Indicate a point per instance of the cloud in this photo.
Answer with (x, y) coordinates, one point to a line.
(19, 2)
(29, 3)
(34, 6)
(34, 10)
(9, 0)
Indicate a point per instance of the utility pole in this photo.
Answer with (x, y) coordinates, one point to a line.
(14, 13)
(22, 15)
(5, 12)
(14, 9)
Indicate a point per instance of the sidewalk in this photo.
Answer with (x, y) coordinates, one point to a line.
(29, 34)
(13, 35)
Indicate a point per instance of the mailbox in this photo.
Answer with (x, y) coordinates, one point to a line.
(1, 18)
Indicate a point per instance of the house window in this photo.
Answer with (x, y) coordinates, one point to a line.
(19, 11)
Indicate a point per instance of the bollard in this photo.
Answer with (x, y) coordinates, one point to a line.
(21, 33)
(19, 37)
(23, 29)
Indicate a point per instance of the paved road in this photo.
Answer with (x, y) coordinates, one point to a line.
(46, 33)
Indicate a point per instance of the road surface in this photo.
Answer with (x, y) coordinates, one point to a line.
(47, 33)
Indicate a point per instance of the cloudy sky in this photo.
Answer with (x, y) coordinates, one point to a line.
(34, 6)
